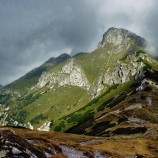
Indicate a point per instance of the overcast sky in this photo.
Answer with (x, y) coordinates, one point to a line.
(32, 31)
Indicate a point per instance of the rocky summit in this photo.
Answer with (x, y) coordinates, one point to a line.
(110, 95)
(122, 37)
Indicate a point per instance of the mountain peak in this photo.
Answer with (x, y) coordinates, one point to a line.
(64, 55)
(120, 36)
(58, 59)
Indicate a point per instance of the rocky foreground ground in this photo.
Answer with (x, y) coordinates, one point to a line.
(21, 142)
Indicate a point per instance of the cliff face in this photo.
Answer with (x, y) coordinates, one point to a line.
(71, 74)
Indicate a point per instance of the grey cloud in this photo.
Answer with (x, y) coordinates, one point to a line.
(33, 31)
(150, 28)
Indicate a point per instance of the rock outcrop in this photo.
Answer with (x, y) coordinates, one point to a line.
(122, 37)
(121, 72)
(71, 74)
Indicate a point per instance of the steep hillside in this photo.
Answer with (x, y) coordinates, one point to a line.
(132, 112)
(31, 78)
(66, 91)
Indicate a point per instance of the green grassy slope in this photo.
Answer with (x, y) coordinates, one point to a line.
(66, 106)
(101, 58)
(47, 104)
(110, 96)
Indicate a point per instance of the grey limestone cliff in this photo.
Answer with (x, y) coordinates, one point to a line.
(70, 74)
